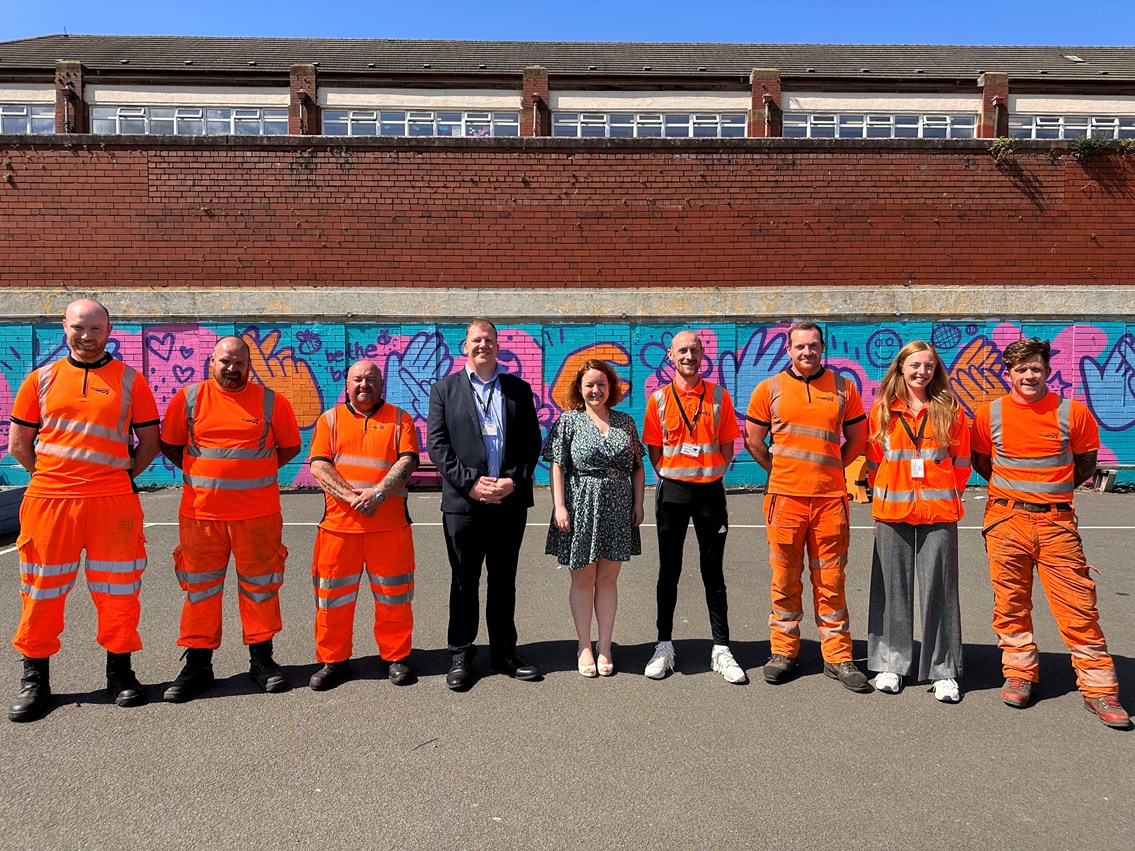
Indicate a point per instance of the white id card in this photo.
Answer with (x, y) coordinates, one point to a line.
(690, 449)
(489, 429)
(917, 468)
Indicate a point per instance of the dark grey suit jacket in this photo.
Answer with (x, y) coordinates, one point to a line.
(455, 445)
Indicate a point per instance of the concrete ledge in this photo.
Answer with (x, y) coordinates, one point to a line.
(558, 304)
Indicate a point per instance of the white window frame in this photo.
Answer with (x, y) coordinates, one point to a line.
(261, 119)
(423, 122)
(1072, 126)
(647, 125)
(859, 125)
(31, 113)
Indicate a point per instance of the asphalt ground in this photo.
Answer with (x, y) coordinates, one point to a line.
(690, 762)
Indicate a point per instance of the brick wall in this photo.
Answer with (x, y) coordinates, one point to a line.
(94, 212)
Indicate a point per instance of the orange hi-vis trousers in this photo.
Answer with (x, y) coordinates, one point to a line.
(1016, 541)
(201, 561)
(336, 571)
(53, 534)
(818, 525)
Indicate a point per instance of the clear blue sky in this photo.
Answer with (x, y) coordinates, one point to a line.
(1067, 22)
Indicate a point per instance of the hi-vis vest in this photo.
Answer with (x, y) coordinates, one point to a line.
(709, 464)
(1047, 478)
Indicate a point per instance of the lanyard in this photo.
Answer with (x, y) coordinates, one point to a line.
(917, 441)
(485, 406)
(682, 411)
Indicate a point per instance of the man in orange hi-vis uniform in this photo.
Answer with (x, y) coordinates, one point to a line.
(71, 425)
(805, 409)
(229, 437)
(689, 432)
(1035, 449)
(362, 455)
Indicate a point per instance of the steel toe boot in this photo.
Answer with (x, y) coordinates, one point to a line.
(34, 696)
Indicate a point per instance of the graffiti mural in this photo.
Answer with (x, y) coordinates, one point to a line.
(1092, 362)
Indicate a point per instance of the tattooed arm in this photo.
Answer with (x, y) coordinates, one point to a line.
(363, 500)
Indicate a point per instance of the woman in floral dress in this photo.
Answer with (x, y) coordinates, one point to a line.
(597, 491)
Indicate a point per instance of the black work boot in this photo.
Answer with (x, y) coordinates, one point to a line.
(195, 677)
(121, 683)
(263, 669)
(34, 696)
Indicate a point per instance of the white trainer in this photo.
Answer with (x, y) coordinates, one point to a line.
(947, 690)
(888, 682)
(662, 662)
(722, 661)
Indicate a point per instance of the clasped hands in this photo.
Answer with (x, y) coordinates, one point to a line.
(367, 500)
(492, 490)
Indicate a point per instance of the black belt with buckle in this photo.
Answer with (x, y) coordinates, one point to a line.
(1036, 507)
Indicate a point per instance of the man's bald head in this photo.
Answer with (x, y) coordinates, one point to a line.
(364, 386)
(86, 325)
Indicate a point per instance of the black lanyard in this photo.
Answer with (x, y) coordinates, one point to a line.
(477, 396)
(682, 411)
(917, 441)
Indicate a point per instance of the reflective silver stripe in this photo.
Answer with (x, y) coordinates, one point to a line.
(115, 589)
(393, 599)
(242, 454)
(937, 453)
(1063, 422)
(32, 569)
(1034, 463)
(126, 392)
(266, 579)
(805, 455)
(659, 397)
(363, 461)
(128, 375)
(258, 596)
(198, 596)
(335, 602)
(198, 578)
(913, 496)
(806, 431)
(227, 484)
(336, 582)
(1022, 486)
(390, 581)
(76, 454)
(116, 566)
(671, 451)
(47, 593)
(694, 472)
(85, 429)
(872, 465)
(961, 462)
(269, 405)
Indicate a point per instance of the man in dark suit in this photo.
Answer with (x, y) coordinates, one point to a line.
(484, 438)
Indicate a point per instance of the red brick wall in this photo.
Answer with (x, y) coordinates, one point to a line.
(543, 212)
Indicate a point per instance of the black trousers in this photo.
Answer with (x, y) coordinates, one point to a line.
(490, 536)
(676, 504)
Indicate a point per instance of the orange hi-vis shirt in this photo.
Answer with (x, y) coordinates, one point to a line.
(1032, 446)
(806, 418)
(83, 414)
(362, 449)
(936, 495)
(229, 468)
(709, 410)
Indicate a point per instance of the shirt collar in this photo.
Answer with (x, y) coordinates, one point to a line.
(82, 364)
(807, 380)
(474, 377)
(359, 413)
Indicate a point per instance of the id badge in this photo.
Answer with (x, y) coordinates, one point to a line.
(690, 449)
(917, 468)
(489, 429)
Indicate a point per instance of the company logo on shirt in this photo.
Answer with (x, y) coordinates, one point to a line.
(103, 390)
(1050, 435)
(252, 420)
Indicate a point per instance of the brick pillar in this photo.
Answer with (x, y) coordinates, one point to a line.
(71, 115)
(993, 120)
(303, 104)
(765, 115)
(535, 114)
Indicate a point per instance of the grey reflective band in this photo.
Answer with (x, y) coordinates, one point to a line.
(213, 483)
(335, 602)
(197, 578)
(362, 461)
(238, 454)
(938, 453)
(806, 431)
(805, 455)
(46, 593)
(192, 448)
(659, 398)
(198, 596)
(258, 596)
(1023, 486)
(390, 581)
(126, 396)
(1063, 422)
(260, 581)
(393, 599)
(116, 566)
(1034, 463)
(693, 472)
(671, 451)
(85, 429)
(913, 496)
(115, 589)
(335, 582)
(32, 569)
(961, 462)
(76, 454)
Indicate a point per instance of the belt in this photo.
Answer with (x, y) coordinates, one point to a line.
(611, 473)
(1035, 507)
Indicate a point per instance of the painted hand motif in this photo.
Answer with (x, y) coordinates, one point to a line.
(612, 353)
(1110, 386)
(411, 374)
(976, 375)
(763, 356)
(279, 369)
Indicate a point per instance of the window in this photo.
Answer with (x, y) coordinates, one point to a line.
(189, 121)
(374, 122)
(878, 126)
(647, 125)
(1071, 126)
(19, 118)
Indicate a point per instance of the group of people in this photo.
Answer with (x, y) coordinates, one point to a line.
(87, 424)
